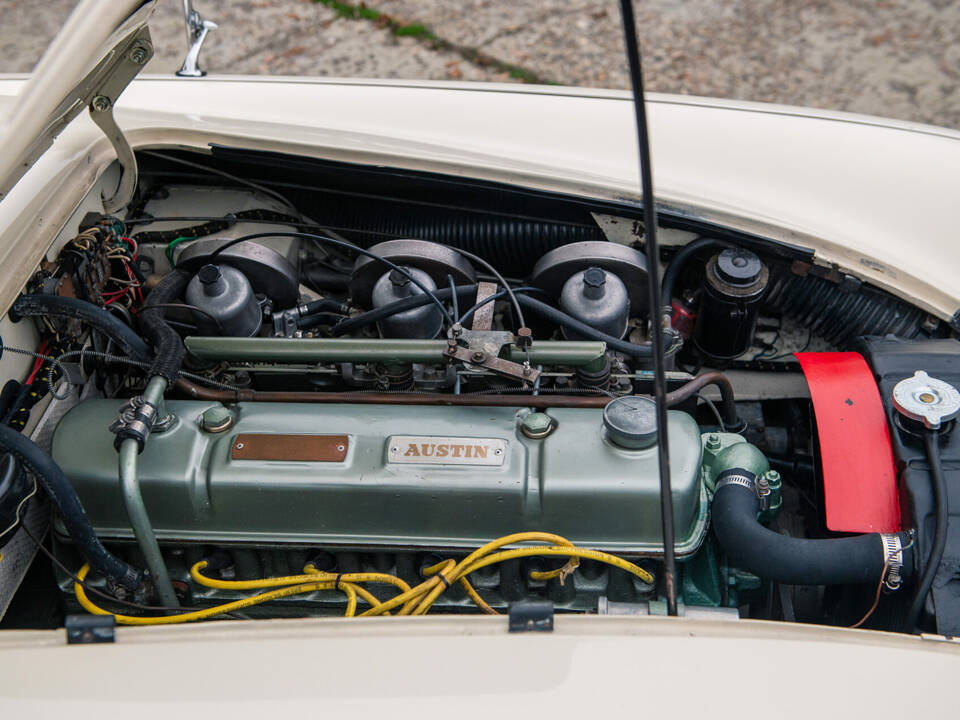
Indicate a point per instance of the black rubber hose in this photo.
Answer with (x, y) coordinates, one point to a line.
(324, 305)
(932, 444)
(325, 279)
(103, 320)
(794, 561)
(731, 421)
(168, 346)
(61, 492)
(613, 343)
(465, 294)
(540, 308)
(672, 273)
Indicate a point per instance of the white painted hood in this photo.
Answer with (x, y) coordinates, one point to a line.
(81, 58)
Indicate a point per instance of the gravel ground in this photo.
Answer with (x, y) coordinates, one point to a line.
(898, 58)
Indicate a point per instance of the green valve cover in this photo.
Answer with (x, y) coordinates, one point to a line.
(388, 476)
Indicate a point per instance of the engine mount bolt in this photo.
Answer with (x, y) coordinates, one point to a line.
(713, 441)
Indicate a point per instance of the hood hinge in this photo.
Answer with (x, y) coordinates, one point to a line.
(132, 56)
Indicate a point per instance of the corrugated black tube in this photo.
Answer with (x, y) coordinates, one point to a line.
(64, 497)
(838, 315)
(166, 341)
(512, 245)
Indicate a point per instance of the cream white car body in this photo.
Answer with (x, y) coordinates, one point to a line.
(874, 198)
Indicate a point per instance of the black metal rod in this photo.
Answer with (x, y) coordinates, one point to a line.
(653, 272)
(931, 441)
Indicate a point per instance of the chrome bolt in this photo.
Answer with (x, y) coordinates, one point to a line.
(101, 103)
(139, 55)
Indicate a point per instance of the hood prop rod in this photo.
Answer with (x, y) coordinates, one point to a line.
(653, 272)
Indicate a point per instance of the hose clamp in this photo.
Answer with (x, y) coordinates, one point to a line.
(746, 479)
(137, 420)
(893, 559)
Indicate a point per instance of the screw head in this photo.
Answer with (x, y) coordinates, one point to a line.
(101, 103)
(139, 55)
(239, 446)
(209, 274)
(478, 356)
(594, 277)
(398, 279)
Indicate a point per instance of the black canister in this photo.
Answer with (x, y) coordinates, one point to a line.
(730, 304)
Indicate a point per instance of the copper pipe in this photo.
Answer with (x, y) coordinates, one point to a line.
(539, 401)
(685, 392)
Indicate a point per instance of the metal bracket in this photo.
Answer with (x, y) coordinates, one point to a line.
(197, 29)
(90, 629)
(533, 616)
(525, 372)
(139, 419)
(134, 56)
(483, 318)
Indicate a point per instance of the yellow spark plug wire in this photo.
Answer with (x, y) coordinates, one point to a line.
(347, 588)
(464, 568)
(311, 574)
(411, 601)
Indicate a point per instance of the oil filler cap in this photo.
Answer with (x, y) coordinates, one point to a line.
(631, 422)
(926, 399)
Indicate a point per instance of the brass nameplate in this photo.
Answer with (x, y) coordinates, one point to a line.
(297, 448)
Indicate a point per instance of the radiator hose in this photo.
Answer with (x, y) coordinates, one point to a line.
(61, 492)
(793, 561)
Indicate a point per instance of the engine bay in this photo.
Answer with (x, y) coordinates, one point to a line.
(281, 387)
